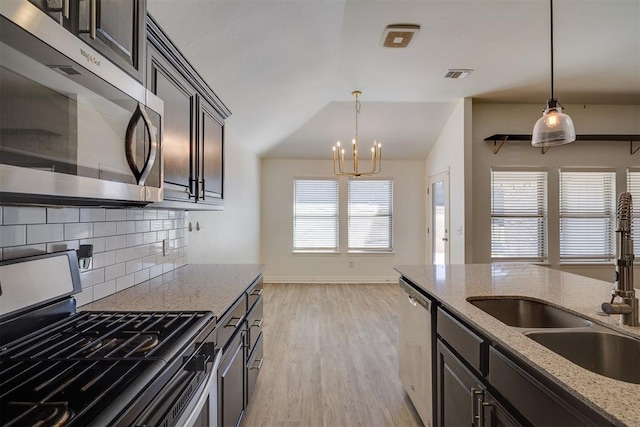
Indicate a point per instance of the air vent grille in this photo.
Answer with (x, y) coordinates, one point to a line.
(458, 73)
(399, 35)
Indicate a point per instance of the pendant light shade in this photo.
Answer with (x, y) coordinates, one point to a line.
(554, 127)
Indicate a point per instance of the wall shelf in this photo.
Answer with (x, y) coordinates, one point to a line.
(500, 138)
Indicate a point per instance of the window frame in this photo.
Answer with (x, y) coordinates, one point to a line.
(542, 213)
(389, 207)
(295, 216)
(633, 186)
(610, 217)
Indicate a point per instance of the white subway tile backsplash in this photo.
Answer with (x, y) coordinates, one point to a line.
(63, 246)
(42, 233)
(135, 214)
(57, 215)
(116, 214)
(142, 226)
(125, 227)
(124, 282)
(115, 271)
(104, 289)
(92, 278)
(116, 242)
(84, 297)
(24, 215)
(133, 266)
(78, 230)
(92, 215)
(134, 239)
(98, 243)
(127, 243)
(20, 251)
(141, 276)
(13, 235)
(104, 259)
(101, 229)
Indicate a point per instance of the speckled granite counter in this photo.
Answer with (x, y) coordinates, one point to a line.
(452, 284)
(210, 287)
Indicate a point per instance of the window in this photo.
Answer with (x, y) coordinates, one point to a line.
(370, 215)
(587, 215)
(518, 215)
(315, 215)
(633, 186)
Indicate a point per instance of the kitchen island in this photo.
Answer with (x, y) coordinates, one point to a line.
(209, 287)
(451, 285)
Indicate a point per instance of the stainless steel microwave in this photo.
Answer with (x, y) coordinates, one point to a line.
(74, 127)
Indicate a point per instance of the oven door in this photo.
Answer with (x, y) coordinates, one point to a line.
(73, 126)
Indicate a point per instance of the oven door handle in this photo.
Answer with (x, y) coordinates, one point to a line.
(189, 417)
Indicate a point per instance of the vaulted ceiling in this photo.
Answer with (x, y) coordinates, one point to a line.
(286, 68)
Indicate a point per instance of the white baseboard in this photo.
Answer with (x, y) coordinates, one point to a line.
(331, 279)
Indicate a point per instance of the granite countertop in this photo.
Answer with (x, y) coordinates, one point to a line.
(452, 284)
(193, 287)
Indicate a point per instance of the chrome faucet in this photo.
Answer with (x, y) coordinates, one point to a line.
(623, 295)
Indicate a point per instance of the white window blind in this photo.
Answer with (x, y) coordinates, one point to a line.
(587, 215)
(518, 215)
(633, 186)
(370, 215)
(315, 215)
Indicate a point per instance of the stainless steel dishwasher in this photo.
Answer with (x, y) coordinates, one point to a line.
(415, 349)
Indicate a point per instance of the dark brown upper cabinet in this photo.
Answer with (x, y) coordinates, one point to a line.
(115, 28)
(193, 128)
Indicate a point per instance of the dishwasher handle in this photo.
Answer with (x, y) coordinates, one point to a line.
(414, 296)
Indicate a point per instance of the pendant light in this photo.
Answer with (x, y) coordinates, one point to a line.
(554, 127)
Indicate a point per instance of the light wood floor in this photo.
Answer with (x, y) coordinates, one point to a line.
(331, 358)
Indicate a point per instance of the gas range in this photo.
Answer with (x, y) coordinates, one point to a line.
(63, 368)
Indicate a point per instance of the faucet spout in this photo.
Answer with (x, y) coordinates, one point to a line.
(627, 304)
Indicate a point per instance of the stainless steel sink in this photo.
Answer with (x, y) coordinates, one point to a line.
(526, 313)
(609, 354)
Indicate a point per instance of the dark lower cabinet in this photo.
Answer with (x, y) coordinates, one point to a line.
(231, 381)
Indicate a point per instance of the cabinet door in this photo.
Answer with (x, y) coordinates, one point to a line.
(231, 384)
(459, 393)
(116, 29)
(58, 10)
(211, 152)
(177, 139)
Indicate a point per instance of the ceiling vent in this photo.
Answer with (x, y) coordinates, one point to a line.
(399, 35)
(458, 73)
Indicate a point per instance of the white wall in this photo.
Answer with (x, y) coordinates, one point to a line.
(448, 155)
(489, 119)
(277, 225)
(231, 235)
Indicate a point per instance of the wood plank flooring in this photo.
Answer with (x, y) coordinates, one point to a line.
(331, 358)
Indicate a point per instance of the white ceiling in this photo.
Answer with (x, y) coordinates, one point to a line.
(286, 68)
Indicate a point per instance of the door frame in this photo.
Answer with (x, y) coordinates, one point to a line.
(441, 176)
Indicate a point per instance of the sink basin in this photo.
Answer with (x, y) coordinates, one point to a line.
(525, 313)
(612, 355)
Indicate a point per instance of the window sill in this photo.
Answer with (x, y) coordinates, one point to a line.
(370, 253)
(315, 253)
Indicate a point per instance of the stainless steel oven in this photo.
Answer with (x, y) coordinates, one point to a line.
(74, 127)
(95, 368)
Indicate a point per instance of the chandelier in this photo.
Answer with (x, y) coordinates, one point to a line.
(338, 151)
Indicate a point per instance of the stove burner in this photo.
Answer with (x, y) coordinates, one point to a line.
(142, 343)
(50, 414)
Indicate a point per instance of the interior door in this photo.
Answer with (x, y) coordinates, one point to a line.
(438, 229)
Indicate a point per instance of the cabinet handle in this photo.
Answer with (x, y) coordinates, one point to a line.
(412, 301)
(477, 396)
(235, 325)
(65, 8)
(257, 323)
(93, 11)
(203, 190)
(259, 362)
(257, 292)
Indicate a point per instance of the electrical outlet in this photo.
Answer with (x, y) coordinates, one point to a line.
(165, 247)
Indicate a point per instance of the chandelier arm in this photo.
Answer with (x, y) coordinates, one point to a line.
(551, 41)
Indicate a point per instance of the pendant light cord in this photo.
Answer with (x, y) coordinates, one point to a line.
(551, 38)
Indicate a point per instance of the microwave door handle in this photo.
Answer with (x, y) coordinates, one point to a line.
(140, 175)
(93, 12)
